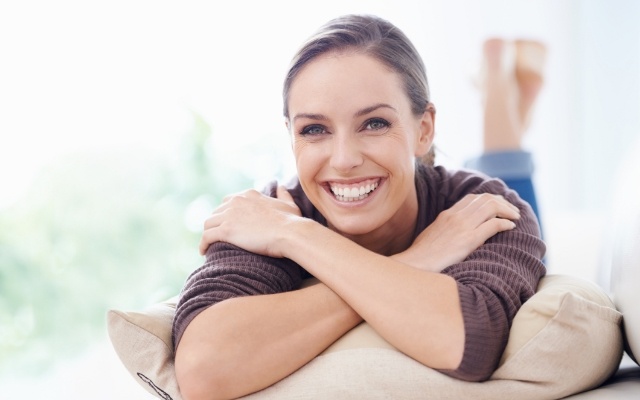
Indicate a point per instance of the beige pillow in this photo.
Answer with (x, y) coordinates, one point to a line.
(564, 340)
(142, 340)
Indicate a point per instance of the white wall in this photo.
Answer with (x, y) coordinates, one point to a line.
(77, 75)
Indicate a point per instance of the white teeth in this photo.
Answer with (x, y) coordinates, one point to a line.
(353, 193)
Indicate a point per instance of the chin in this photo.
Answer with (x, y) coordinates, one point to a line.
(356, 227)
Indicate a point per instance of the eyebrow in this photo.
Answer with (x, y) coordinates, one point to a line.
(318, 117)
(364, 111)
(374, 107)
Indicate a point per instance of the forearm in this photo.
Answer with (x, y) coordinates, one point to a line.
(245, 344)
(416, 260)
(415, 310)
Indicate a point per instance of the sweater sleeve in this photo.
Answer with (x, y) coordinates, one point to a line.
(228, 272)
(493, 283)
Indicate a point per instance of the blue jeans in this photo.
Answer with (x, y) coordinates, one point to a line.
(515, 168)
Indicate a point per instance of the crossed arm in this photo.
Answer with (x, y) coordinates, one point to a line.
(244, 344)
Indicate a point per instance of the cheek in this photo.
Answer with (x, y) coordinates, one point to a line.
(298, 149)
(397, 149)
(306, 159)
(307, 173)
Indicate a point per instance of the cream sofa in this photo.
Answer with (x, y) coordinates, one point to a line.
(567, 341)
(624, 273)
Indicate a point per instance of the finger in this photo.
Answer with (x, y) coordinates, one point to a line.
(493, 226)
(215, 218)
(494, 198)
(230, 197)
(210, 222)
(509, 204)
(488, 206)
(203, 247)
(500, 209)
(249, 193)
(462, 204)
(283, 194)
(474, 201)
(211, 232)
(209, 237)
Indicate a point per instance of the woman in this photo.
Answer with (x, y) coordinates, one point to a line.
(437, 262)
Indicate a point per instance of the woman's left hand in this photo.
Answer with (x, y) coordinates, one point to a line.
(251, 221)
(458, 231)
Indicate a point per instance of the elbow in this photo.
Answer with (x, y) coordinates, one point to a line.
(443, 353)
(201, 377)
(453, 358)
(470, 368)
(480, 373)
(451, 344)
(451, 355)
(193, 386)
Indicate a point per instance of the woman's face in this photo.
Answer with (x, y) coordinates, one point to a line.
(355, 140)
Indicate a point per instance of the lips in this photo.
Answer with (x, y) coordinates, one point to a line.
(353, 191)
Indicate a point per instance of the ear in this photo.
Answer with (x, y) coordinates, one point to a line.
(426, 131)
(286, 123)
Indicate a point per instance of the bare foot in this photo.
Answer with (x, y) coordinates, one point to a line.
(493, 50)
(529, 65)
(502, 126)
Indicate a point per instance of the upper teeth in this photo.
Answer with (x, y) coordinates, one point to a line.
(353, 192)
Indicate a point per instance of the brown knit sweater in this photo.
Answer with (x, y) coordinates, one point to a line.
(493, 281)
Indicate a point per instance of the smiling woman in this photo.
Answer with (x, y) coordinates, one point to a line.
(361, 113)
(381, 230)
(87, 80)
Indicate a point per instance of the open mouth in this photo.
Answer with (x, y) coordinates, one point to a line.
(353, 192)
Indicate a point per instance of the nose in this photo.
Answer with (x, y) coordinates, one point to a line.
(346, 153)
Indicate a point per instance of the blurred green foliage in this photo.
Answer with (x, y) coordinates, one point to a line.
(99, 231)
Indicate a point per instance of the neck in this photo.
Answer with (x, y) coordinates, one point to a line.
(385, 244)
(393, 237)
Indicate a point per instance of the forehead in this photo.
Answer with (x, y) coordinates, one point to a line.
(345, 80)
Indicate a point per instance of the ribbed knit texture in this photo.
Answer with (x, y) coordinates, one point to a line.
(493, 282)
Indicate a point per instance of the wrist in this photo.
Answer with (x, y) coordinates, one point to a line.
(416, 260)
(341, 309)
(295, 233)
(406, 257)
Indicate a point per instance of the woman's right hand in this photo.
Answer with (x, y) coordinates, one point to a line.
(459, 230)
(251, 220)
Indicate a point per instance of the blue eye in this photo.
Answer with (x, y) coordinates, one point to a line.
(376, 124)
(313, 130)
